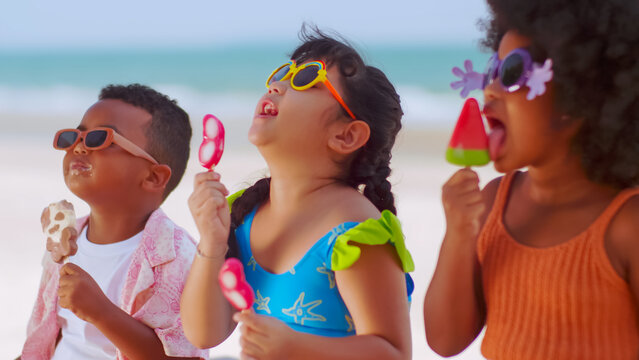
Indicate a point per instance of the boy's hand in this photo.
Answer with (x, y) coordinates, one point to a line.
(210, 212)
(264, 337)
(463, 204)
(79, 293)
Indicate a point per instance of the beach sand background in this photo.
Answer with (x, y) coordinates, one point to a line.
(31, 178)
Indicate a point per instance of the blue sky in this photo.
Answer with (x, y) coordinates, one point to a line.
(36, 24)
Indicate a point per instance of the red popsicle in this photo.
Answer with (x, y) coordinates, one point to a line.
(212, 145)
(468, 145)
(234, 286)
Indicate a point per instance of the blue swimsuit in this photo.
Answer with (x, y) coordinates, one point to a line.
(306, 297)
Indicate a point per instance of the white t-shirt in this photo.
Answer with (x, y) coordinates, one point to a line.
(107, 265)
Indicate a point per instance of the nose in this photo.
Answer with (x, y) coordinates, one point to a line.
(492, 90)
(79, 148)
(277, 87)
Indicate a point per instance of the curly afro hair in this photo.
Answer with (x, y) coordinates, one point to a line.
(594, 46)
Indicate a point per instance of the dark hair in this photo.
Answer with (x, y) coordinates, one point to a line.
(168, 134)
(372, 98)
(594, 46)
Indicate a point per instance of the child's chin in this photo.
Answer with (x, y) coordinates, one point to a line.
(78, 186)
(501, 165)
(256, 137)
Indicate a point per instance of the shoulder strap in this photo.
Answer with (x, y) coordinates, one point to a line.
(597, 236)
(502, 195)
(604, 220)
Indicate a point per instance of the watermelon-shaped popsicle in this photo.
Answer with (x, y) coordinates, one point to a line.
(469, 144)
(212, 145)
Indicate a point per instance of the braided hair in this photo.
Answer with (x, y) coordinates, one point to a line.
(372, 98)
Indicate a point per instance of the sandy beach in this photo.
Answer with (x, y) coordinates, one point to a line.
(31, 178)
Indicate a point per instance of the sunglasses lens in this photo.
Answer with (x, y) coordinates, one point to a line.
(491, 70)
(512, 69)
(305, 76)
(66, 139)
(279, 74)
(95, 138)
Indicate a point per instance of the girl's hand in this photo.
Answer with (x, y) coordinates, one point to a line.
(79, 293)
(463, 204)
(264, 337)
(211, 212)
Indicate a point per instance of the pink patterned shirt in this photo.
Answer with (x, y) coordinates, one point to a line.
(151, 292)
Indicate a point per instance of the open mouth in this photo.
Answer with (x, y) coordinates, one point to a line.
(494, 123)
(268, 109)
(496, 137)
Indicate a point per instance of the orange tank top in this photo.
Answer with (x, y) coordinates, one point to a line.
(560, 302)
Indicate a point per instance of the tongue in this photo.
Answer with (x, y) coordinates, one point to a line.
(496, 139)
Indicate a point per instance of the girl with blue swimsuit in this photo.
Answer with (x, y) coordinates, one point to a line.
(318, 239)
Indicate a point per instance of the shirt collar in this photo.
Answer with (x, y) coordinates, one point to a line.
(158, 237)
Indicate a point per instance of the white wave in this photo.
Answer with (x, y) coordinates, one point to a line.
(225, 105)
(59, 100)
(422, 108)
(426, 109)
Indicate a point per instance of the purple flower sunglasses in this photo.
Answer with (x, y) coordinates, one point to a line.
(515, 71)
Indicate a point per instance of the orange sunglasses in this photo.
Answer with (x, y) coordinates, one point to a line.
(98, 139)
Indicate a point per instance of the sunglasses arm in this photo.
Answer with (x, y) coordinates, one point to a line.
(132, 148)
(339, 98)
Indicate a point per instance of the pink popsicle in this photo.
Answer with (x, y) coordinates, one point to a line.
(234, 286)
(212, 145)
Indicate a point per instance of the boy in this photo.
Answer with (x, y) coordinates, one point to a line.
(119, 295)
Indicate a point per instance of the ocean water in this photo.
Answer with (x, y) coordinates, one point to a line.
(226, 81)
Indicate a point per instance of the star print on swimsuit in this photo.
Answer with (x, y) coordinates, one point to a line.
(262, 302)
(349, 320)
(331, 275)
(252, 263)
(299, 309)
(335, 233)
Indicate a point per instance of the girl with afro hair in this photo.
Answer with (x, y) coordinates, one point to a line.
(547, 258)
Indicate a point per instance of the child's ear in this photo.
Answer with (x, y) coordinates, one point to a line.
(157, 178)
(571, 125)
(349, 137)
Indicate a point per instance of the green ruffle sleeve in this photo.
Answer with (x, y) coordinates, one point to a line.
(371, 232)
(231, 198)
